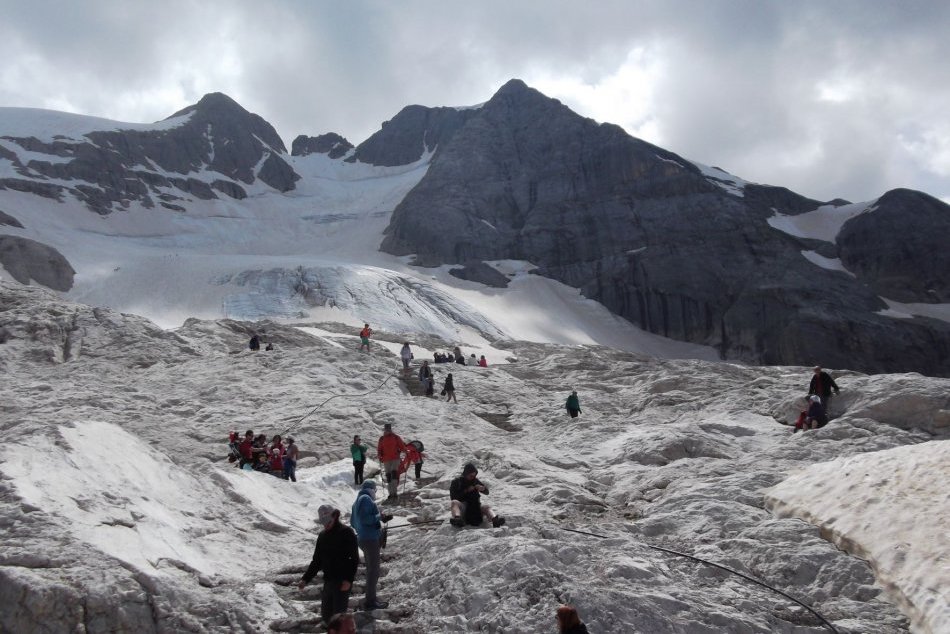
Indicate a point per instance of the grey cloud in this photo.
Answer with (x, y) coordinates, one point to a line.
(741, 85)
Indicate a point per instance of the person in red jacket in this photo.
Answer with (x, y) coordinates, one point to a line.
(482, 362)
(365, 334)
(389, 450)
(246, 448)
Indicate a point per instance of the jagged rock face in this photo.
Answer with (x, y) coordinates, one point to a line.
(331, 144)
(10, 221)
(647, 234)
(405, 137)
(901, 248)
(112, 168)
(27, 260)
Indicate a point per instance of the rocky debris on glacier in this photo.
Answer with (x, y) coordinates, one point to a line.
(121, 513)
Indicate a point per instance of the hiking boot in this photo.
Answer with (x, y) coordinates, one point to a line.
(377, 605)
(497, 521)
(457, 522)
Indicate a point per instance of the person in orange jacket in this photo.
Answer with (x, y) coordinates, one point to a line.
(389, 450)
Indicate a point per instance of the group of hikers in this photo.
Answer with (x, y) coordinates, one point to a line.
(818, 401)
(254, 453)
(337, 549)
(255, 343)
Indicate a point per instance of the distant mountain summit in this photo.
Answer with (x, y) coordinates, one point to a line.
(212, 148)
(678, 249)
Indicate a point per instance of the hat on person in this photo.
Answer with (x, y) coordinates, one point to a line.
(325, 514)
(369, 484)
(469, 468)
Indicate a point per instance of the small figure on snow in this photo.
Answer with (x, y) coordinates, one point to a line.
(482, 362)
(358, 451)
(365, 334)
(425, 377)
(822, 384)
(255, 342)
(389, 451)
(573, 405)
(448, 389)
(406, 355)
(341, 624)
(290, 460)
(568, 622)
(337, 556)
(465, 493)
(368, 523)
(815, 417)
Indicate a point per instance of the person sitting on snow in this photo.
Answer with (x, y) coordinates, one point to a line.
(815, 417)
(465, 492)
(482, 362)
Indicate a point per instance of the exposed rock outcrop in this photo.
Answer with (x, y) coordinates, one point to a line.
(901, 248)
(10, 221)
(407, 136)
(331, 144)
(28, 260)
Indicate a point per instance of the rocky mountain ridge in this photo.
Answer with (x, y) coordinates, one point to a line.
(680, 250)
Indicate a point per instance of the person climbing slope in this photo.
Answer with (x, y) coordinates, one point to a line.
(358, 451)
(368, 522)
(822, 384)
(389, 451)
(337, 556)
(365, 334)
(573, 405)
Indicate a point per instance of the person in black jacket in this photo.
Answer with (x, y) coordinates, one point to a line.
(465, 492)
(337, 556)
(822, 384)
(568, 622)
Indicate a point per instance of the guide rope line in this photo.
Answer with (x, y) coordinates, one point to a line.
(310, 413)
(721, 567)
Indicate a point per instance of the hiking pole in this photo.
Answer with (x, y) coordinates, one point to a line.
(411, 524)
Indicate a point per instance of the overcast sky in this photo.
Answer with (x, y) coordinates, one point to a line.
(829, 98)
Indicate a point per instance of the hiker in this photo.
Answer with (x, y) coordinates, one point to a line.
(290, 460)
(573, 405)
(341, 623)
(269, 346)
(414, 456)
(389, 450)
(448, 389)
(368, 523)
(246, 448)
(472, 360)
(568, 622)
(277, 443)
(406, 355)
(337, 556)
(816, 416)
(459, 358)
(262, 463)
(425, 377)
(234, 447)
(255, 342)
(358, 451)
(276, 463)
(465, 493)
(822, 384)
(365, 334)
(482, 362)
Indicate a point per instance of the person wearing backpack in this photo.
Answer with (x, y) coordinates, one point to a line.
(425, 377)
(448, 389)
(368, 522)
(822, 384)
(365, 334)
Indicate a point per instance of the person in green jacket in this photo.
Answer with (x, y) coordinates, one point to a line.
(358, 449)
(573, 405)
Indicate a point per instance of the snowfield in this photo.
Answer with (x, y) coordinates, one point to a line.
(121, 513)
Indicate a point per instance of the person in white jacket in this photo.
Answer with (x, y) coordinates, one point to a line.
(406, 355)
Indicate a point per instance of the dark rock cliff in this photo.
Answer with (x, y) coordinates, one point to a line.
(647, 234)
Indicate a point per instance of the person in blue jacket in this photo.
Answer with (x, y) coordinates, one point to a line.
(367, 521)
